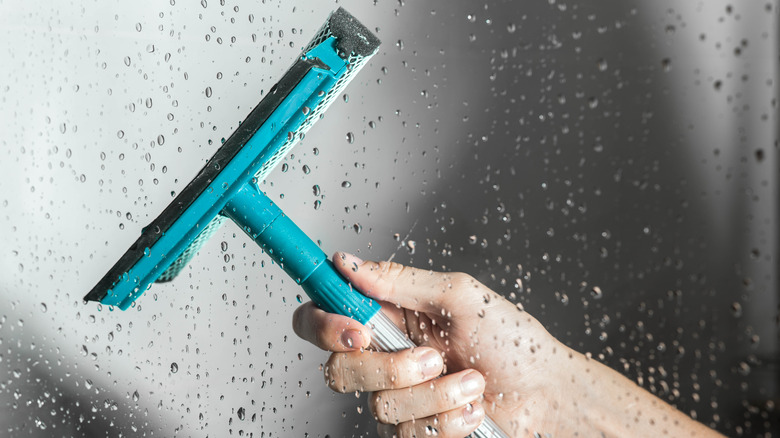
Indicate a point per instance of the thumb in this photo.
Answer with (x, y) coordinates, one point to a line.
(411, 288)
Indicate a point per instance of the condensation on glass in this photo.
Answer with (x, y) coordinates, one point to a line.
(611, 168)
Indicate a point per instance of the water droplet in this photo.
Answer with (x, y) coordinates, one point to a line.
(138, 27)
(174, 368)
(317, 204)
(127, 61)
(148, 102)
(316, 190)
(241, 414)
(160, 140)
(596, 293)
(136, 396)
(224, 246)
(350, 137)
(346, 184)
(411, 246)
(285, 167)
(511, 27)
(208, 91)
(40, 424)
(306, 169)
(345, 97)
(602, 64)
(44, 308)
(736, 309)
(666, 64)
(120, 133)
(299, 298)
(358, 228)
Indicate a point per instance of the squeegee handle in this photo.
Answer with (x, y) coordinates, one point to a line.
(308, 265)
(297, 255)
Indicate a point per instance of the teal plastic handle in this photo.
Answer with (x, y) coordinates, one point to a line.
(297, 254)
(305, 262)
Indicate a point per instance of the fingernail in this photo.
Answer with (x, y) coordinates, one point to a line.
(352, 339)
(430, 363)
(472, 414)
(471, 383)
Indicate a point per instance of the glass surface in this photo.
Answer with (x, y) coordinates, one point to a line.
(612, 167)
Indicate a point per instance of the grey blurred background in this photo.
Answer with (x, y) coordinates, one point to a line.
(547, 148)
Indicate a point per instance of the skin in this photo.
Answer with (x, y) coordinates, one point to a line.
(478, 353)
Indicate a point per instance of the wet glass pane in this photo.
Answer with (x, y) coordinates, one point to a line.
(610, 168)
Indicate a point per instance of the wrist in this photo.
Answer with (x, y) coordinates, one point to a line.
(588, 396)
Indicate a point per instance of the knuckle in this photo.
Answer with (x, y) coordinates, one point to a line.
(381, 405)
(389, 274)
(334, 372)
(319, 337)
(414, 429)
(443, 425)
(308, 324)
(384, 267)
(393, 374)
(390, 271)
(297, 321)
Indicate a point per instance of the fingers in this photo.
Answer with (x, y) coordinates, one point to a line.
(373, 370)
(456, 423)
(415, 289)
(397, 406)
(329, 331)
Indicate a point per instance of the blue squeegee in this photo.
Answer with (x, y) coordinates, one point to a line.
(227, 187)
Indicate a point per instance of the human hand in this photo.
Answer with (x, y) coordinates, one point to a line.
(496, 360)
(496, 356)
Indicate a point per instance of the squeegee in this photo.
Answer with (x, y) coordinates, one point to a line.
(227, 187)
